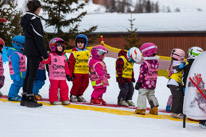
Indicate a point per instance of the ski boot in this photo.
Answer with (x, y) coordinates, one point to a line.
(55, 103)
(16, 98)
(140, 111)
(168, 108)
(38, 97)
(154, 111)
(94, 101)
(81, 99)
(121, 102)
(102, 101)
(66, 102)
(73, 98)
(130, 103)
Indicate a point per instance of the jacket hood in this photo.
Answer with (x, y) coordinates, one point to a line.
(11, 51)
(27, 18)
(122, 53)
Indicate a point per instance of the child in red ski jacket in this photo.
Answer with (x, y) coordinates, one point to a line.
(79, 68)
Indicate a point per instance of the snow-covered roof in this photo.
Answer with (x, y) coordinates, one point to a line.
(114, 22)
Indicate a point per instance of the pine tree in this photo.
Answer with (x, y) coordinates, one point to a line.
(57, 11)
(12, 27)
(132, 39)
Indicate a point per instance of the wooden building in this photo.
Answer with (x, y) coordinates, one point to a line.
(165, 41)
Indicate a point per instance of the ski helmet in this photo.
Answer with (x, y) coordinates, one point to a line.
(148, 49)
(134, 55)
(98, 51)
(2, 43)
(82, 37)
(178, 54)
(18, 42)
(54, 42)
(193, 52)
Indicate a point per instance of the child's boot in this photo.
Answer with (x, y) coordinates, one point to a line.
(56, 103)
(154, 110)
(73, 98)
(31, 102)
(38, 97)
(130, 103)
(121, 102)
(81, 99)
(65, 102)
(102, 101)
(95, 101)
(140, 111)
(168, 108)
(202, 124)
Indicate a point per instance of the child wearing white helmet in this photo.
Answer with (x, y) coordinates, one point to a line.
(146, 83)
(192, 54)
(125, 75)
(175, 83)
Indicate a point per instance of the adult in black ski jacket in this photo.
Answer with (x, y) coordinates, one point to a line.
(34, 49)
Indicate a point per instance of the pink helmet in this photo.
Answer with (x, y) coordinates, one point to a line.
(98, 51)
(53, 42)
(148, 49)
(178, 54)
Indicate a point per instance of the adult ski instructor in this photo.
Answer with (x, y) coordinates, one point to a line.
(34, 49)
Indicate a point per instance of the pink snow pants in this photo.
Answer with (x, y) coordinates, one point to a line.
(98, 92)
(53, 90)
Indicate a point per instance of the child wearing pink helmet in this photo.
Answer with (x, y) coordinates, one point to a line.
(2, 78)
(58, 72)
(175, 83)
(98, 74)
(147, 80)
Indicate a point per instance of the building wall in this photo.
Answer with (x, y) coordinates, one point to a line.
(165, 41)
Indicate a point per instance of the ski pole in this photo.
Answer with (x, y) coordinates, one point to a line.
(197, 88)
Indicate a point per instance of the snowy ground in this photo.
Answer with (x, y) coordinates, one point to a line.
(59, 121)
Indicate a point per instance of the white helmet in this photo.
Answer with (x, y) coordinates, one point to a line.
(193, 52)
(134, 55)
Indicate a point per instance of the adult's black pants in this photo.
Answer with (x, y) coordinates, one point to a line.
(32, 68)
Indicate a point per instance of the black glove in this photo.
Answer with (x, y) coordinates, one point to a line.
(72, 78)
(138, 85)
(68, 77)
(120, 80)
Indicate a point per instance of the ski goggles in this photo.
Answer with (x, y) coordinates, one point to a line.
(60, 43)
(101, 51)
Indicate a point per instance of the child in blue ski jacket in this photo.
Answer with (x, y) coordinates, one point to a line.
(39, 81)
(17, 67)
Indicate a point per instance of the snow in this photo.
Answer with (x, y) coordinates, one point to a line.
(60, 121)
(152, 22)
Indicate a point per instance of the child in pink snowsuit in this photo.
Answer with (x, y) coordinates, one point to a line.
(98, 74)
(58, 72)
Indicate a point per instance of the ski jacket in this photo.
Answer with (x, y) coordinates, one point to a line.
(148, 73)
(98, 73)
(58, 66)
(33, 31)
(176, 73)
(78, 61)
(119, 68)
(17, 65)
